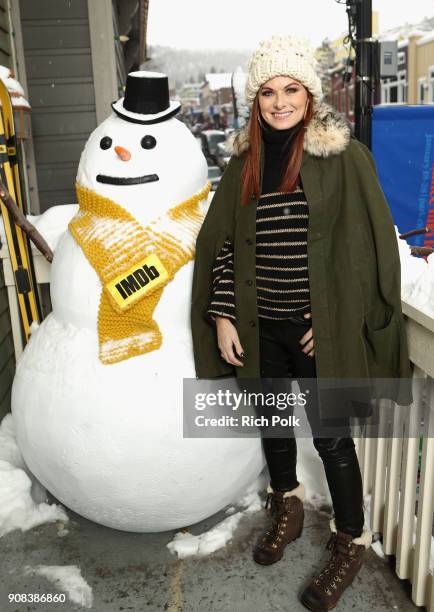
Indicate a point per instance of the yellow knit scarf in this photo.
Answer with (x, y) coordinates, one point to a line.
(134, 264)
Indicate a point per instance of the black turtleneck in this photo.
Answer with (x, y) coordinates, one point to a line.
(277, 147)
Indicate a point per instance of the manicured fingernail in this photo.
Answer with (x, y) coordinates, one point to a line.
(242, 354)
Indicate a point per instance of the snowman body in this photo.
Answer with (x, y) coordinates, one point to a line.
(107, 440)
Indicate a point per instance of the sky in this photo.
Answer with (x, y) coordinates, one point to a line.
(241, 24)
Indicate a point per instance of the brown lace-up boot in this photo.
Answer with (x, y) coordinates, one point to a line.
(287, 513)
(346, 559)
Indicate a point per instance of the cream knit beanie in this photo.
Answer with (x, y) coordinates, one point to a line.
(283, 56)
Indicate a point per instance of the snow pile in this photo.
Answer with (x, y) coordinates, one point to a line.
(186, 544)
(67, 579)
(422, 293)
(18, 510)
(417, 278)
(250, 500)
(14, 87)
(376, 546)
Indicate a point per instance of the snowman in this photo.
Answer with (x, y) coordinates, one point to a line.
(97, 396)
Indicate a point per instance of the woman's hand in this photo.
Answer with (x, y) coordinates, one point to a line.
(227, 340)
(307, 339)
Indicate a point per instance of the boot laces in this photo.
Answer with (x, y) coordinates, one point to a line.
(340, 560)
(279, 506)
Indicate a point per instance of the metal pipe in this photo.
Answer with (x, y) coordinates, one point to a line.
(364, 71)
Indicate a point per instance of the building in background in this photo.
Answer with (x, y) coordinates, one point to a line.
(190, 95)
(414, 82)
(424, 76)
(217, 89)
(342, 94)
(415, 65)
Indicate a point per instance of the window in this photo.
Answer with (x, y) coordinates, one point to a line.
(394, 90)
(421, 91)
(389, 91)
(384, 93)
(430, 99)
(402, 86)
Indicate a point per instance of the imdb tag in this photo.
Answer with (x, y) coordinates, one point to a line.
(137, 282)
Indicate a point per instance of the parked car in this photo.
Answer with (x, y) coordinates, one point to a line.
(214, 175)
(210, 140)
(196, 129)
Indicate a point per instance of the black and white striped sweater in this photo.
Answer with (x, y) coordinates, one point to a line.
(282, 279)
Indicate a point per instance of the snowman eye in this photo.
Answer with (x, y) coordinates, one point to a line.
(148, 142)
(106, 142)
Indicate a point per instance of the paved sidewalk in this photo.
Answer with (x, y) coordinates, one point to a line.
(136, 572)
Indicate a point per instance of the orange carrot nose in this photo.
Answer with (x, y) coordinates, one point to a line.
(124, 154)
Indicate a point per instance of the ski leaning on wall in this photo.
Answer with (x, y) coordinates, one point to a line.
(17, 241)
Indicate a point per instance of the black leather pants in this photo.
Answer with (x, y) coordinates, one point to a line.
(282, 357)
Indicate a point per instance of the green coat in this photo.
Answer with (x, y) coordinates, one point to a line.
(354, 266)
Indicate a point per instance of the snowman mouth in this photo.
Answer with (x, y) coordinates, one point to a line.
(129, 180)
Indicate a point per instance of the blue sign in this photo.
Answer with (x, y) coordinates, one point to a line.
(403, 148)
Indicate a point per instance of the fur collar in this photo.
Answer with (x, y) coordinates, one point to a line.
(328, 133)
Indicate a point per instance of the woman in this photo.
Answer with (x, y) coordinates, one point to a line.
(297, 274)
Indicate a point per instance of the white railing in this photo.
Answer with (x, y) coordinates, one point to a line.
(390, 468)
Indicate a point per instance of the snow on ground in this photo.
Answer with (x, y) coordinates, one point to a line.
(377, 546)
(186, 544)
(67, 579)
(23, 503)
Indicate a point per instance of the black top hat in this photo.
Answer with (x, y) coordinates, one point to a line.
(146, 98)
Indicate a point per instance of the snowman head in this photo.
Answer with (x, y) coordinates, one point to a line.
(146, 162)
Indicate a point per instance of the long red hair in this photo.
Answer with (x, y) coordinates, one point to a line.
(250, 176)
